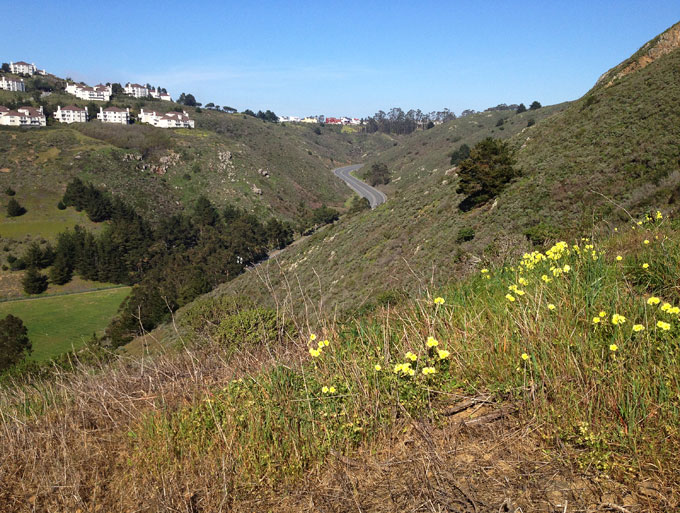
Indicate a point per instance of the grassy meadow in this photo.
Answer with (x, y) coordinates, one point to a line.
(57, 324)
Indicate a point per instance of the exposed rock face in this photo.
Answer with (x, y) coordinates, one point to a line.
(665, 44)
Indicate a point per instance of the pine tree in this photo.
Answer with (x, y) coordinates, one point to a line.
(14, 342)
(61, 271)
(34, 282)
(14, 209)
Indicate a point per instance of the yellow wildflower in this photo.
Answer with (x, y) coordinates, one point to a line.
(659, 215)
(653, 300)
(312, 337)
(639, 223)
(596, 320)
(618, 319)
(510, 297)
(411, 372)
(603, 313)
(429, 370)
(619, 258)
(551, 306)
(665, 307)
(439, 301)
(523, 281)
(613, 348)
(324, 389)
(443, 354)
(432, 342)
(525, 357)
(638, 327)
(665, 326)
(645, 265)
(484, 271)
(675, 310)
(545, 278)
(320, 344)
(378, 367)
(326, 343)
(314, 352)
(646, 241)
(332, 390)
(410, 356)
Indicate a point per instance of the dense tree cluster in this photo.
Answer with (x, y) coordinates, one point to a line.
(485, 173)
(169, 265)
(396, 121)
(188, 99)
(460, 154)
(264, 116)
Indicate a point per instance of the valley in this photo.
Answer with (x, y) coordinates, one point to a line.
(407, 312)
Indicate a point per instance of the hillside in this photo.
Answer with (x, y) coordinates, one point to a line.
(611, 152)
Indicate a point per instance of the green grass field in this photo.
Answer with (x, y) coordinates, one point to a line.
(57, 324)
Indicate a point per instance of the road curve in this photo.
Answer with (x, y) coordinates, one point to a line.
(374, 196)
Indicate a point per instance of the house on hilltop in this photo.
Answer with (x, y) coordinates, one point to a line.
(100, 93)
(24, 68)
(71, 114)
(166, 120)
(136, 90)
(114, 115)
(23, 116)
(10, 84)
(159, 95)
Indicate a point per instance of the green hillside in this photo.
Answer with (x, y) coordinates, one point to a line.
(611, 152)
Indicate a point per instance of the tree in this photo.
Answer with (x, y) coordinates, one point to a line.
(14, 209)
(188, 99)
(5, 67)
(205, 213)
(116, 89)
(460, 154)
(521, 108)
(378, 174)
(34, 282)
(535, 105)
(62, 270)
(36, 257)
(485, 173)
(9, 191)
(14, 341)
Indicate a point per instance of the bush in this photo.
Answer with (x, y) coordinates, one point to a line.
(249, 327)
(9, 191)
(531, 122)
(535, 105)
(378, 174)
(460, 154)
(61, 205)
(465, 235)
(485, 173)
(541, 233)
(14, 209)
(521, 108)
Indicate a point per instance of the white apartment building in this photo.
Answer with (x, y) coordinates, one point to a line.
(100, 93)
(23, 116)
(11, 84)
(114, 115)
(136, 90)
(166, 120)
(71, 114)
(165, 97)
(24, 68)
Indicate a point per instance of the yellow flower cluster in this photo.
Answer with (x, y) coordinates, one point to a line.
(443, 354)
(432, 342)
(404, 369)
(427, 371)
(328, 390)
(411, 356)
(316, 351)
(618, 319)
(439, 301)
(665, 326)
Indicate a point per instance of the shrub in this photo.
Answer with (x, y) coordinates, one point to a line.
(34, 282)
(61, 205)
(251, 326)
(531, 122)
(460, 154)
(465, 235)
(14, 342)
(9, 191)
(14, 209)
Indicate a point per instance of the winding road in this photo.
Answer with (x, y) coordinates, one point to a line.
(374, 196)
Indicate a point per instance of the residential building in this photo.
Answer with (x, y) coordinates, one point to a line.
(167, 119)
(101, 93)
(24, 68)
(310, 119)
(23, 116)
(71, 114)
(114, 115)
(136, 90)
(11, 84)
(158, 94)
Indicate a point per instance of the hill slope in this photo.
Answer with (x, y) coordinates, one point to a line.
(615, 146)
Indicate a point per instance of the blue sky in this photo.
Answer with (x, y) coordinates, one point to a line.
(338, 57)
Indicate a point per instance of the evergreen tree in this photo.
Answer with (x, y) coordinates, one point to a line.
(62, 270)
(535, 105)
(205, 214)
(14, 209)
(521, 108)
(14, 342)
(34, 282)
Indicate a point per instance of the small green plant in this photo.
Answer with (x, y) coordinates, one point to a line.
(465, 235)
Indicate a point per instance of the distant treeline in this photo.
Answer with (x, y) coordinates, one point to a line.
(396, 121)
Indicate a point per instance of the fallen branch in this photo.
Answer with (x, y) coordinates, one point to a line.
(466, 404)
(491, 417)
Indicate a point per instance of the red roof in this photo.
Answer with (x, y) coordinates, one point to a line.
(23, 63)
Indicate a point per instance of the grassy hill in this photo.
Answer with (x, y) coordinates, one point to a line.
(608, 154)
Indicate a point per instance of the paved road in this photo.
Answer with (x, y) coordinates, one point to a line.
(374, 196)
